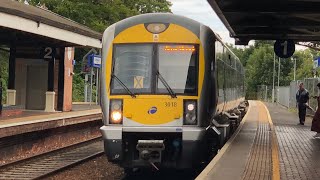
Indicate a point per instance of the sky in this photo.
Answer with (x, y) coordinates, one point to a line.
(201, 11)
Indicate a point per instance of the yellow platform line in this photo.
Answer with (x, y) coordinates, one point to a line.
(209, 167)
(275, 148)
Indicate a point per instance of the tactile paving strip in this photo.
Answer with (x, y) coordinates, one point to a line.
(259, 165)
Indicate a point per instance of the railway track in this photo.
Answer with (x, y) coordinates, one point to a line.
(46, 164)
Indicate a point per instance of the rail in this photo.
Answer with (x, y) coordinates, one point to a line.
(43, 165)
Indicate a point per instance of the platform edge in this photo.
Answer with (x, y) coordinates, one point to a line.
(214, 161)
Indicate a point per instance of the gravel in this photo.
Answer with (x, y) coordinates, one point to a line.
(97, 168)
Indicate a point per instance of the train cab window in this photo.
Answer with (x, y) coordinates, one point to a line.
(178, 64)
(132, 65)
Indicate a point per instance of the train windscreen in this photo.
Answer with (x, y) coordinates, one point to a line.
(132, 66)
(135, 67)
(178, 66)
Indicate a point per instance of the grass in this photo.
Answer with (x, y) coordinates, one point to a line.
(293, 110)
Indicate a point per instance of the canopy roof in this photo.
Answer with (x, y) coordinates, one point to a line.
(27, 23)
(269, 19)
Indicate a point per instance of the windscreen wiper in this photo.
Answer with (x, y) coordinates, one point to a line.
(164, 82)
(123, 85)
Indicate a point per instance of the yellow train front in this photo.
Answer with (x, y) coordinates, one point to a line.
(159, 91)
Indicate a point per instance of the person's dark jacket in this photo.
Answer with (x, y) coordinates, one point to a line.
(302, 96)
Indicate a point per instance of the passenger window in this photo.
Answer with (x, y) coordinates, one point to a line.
(220, 69)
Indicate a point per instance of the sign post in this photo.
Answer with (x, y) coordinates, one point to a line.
(278, 90)
(86, 70)
(274, 72)
(294, 68)
(94, 61)
(316, 64)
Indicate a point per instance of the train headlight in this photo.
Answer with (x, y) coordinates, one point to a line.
(116, 117)
(115, 111)
(156, 28)
(190, 112)
(190, 107)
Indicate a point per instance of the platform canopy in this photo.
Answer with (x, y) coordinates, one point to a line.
(29, 25)
(247, 20)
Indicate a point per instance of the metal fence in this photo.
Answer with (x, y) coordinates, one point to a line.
(265, 93)
(286, 95)
(311, 85)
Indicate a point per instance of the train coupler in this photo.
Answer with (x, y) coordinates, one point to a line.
(150, 150)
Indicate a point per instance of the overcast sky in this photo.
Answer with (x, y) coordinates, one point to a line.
(201, 11)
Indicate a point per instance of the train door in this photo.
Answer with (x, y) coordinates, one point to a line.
(213, 77)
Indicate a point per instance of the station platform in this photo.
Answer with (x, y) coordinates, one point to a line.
(267, 145)
(24, 121)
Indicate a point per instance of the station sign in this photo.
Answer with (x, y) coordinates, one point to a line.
(284, 48)
(316, 62)
(94, 61)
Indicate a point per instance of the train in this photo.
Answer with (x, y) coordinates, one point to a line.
(172, 92)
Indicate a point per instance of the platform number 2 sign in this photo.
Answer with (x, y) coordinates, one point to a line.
(47, 53)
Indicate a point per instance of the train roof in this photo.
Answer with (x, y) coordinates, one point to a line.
(188, 23)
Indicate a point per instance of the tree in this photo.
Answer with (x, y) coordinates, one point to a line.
(149, 6)
(4, 69)
(304, 64)
(242, 53)
(259, 64)
(259, 69)
(98, 15)
(258, 43)
(314, 53)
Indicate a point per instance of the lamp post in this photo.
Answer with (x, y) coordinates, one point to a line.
(294, 69)
(274, 73)
(278, 80)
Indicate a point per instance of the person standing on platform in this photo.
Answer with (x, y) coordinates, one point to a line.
(316, 118)
(302, 98)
